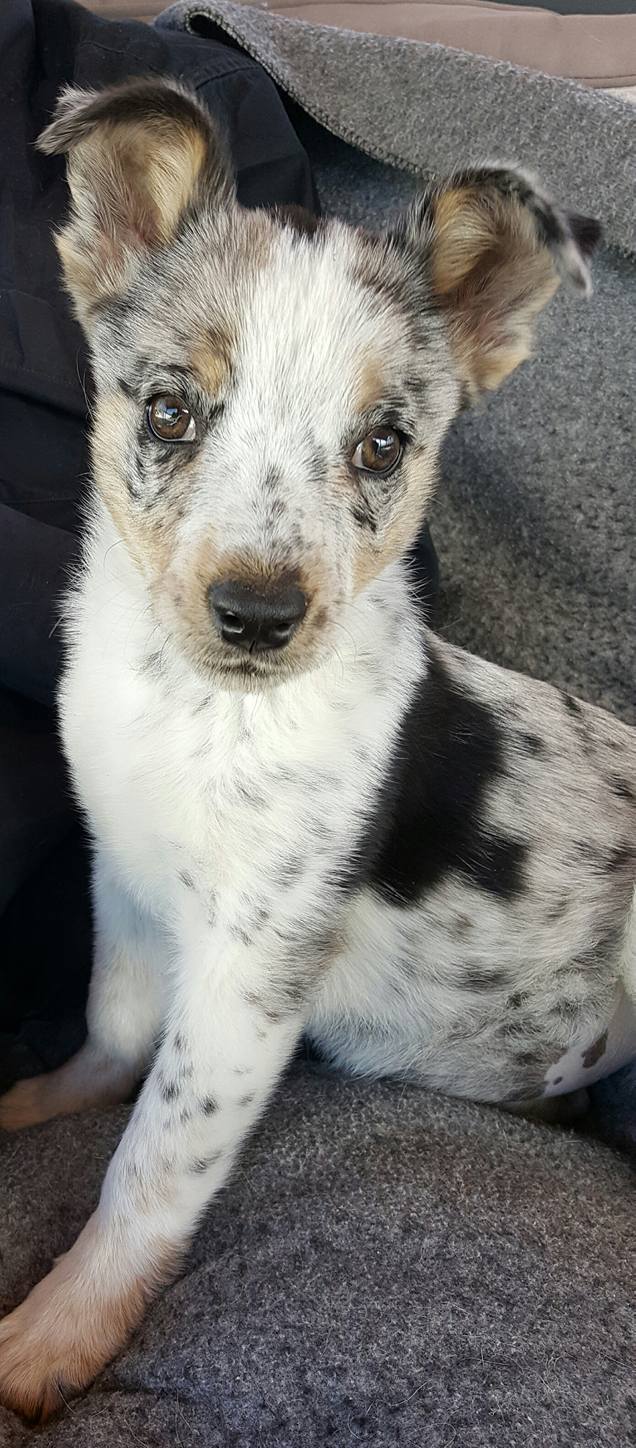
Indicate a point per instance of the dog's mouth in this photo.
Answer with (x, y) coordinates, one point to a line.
(254, 671)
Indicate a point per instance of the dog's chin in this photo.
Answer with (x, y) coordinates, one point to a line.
(242, 672)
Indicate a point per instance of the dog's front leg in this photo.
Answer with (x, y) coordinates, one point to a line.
(238, 1011)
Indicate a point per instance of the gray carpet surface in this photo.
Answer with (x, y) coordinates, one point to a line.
(385, 1267)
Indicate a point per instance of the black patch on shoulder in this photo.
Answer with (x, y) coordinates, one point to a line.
(429, 814)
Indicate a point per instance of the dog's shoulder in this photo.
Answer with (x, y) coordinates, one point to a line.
(491, 769)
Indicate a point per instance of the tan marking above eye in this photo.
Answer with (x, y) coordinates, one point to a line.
(379, 452)
(170, 420)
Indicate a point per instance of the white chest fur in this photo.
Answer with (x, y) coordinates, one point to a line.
(180, 778)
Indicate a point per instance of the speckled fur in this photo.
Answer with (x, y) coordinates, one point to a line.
(422, 861)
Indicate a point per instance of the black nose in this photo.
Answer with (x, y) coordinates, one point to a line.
(256, 621)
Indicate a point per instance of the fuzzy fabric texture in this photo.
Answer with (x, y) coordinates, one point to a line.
(386, 1267)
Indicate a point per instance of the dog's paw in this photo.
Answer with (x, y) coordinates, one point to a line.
(60, 1338)
(31, 1372)
(24, 1105)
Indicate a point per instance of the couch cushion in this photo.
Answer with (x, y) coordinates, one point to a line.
(598, 50)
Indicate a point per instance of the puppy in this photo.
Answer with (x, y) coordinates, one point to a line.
(308, 814)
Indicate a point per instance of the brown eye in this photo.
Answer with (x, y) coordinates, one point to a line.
(379, 452)
(170, 420)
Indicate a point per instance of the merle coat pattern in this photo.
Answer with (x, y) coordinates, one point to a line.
(308, 813)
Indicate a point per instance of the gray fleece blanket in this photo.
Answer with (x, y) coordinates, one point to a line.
(388, 1267)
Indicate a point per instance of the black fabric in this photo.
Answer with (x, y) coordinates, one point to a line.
(44, 386)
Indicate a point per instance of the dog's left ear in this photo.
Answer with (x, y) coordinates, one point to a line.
(494, 247)
(140, 155)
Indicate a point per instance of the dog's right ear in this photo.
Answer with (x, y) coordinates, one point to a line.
(140, 155)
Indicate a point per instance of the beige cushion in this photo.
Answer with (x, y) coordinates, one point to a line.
(598, 50)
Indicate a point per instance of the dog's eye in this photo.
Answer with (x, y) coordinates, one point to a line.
(170, 420)
(379, 452)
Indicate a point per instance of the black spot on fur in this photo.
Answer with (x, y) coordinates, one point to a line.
(594, 1052)
(250, 795)
(570, 1009)
(152, 664)
(462, 926)
(289, 870)
(622, 788)
(364, 517)
(178, 1043)
(557, 912)
(203, 1163)
(238, 933)
(429, 813)
(518, 999)
(529, 1058)
(532, 744)
(202, 704)
(407, 967)
(169, 1090)
(622, 858)
(261, 917)
(481, 978)
(247, 1099)
(572, 705)
(209, 1105)
(271, 481)
(287, 994)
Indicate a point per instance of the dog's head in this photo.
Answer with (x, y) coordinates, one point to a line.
(272, 392)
